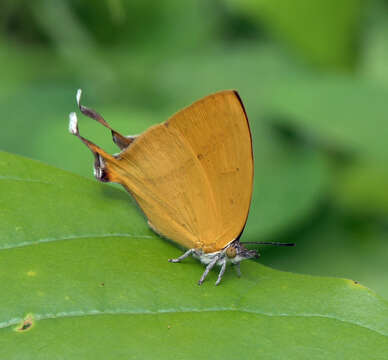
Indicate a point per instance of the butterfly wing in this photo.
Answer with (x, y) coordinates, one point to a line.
(191, 175)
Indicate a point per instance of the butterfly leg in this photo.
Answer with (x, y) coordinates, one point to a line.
(184, 256)
(208, 268)
(222, 271)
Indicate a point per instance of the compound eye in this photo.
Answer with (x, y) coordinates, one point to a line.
(231, 252)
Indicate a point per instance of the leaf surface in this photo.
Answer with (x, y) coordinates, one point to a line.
(90, 281)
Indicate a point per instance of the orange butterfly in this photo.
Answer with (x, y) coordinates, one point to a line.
(192, 176)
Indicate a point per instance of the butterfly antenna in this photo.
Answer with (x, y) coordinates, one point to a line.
(268, 243)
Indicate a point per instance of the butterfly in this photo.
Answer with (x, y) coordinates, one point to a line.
(191, 175)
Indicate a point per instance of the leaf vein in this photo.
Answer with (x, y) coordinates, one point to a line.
(16, 178)
(79, 313)
(70, 237)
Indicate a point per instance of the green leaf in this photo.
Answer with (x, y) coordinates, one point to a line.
(340, 113)
(26, 221)
(323, 31)
(373, 62)
(361, 188)
(83, 278)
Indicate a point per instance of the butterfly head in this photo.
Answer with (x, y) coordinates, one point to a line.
(236, 252)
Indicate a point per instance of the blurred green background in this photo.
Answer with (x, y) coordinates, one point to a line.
(313, 77)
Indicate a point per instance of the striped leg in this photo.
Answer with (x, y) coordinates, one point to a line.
(220, 275)
(184, 256)
(208, 268)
